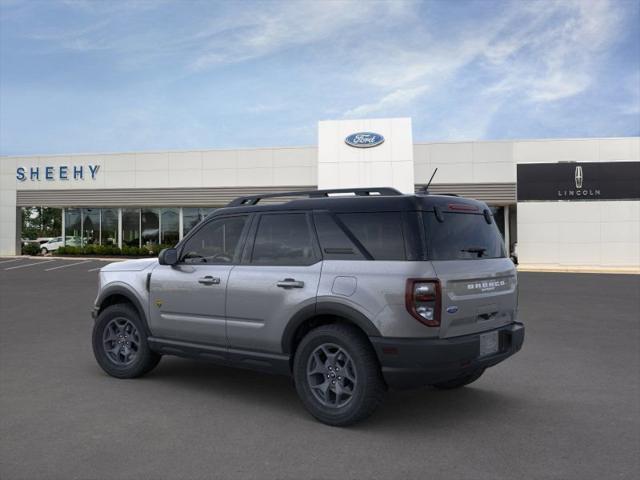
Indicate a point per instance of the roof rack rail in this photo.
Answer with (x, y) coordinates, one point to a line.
(359, 192)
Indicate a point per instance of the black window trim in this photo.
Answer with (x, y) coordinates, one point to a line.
(247, 253)
(207, 220)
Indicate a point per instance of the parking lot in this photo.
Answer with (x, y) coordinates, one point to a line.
(565, 407)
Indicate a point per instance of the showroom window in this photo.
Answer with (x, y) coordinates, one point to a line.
(141, 227)
(150, 222)
(131, 227)
(72, 226)
(192, 216)
(169, 226)
(90, 226)
(109, 226)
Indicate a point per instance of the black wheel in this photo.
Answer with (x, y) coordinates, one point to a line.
(120, 343)
(337, 375)
(44, 251)
(460, 381)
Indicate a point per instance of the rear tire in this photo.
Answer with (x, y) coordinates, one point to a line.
(337, 375)
(120, 343)
(460, 381)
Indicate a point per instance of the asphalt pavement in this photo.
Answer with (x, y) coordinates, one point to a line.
(566, 407)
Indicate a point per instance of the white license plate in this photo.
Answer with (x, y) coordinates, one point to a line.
(488, 343)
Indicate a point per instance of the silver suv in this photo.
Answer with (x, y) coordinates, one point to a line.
(348, 294)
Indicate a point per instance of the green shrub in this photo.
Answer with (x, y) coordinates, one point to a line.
(111, 250)
(31, 249)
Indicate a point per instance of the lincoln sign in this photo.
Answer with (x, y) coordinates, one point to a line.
(575, 181)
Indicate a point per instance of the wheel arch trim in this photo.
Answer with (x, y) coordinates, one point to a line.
(124, 291)
(335, 309)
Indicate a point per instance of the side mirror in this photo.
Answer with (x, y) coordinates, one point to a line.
(168, 256)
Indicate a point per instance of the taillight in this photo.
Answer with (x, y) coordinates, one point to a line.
(422, 298)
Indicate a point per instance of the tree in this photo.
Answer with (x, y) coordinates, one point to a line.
(41, 222)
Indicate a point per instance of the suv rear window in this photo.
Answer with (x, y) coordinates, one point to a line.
(462, 236)
(380, 233)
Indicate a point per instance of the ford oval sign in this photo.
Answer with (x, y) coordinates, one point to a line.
(364, 139)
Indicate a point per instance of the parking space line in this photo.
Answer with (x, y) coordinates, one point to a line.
(94, 269)
(9, 261)
(68, 265)
(30, 264)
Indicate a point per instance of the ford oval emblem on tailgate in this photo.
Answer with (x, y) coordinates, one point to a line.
(452, 309)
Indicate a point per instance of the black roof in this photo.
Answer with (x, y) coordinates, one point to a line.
(385, 200)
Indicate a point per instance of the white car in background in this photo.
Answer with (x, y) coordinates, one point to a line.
(56, 242)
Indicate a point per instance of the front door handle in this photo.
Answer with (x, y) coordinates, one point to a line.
(209, 280)
(290, 283)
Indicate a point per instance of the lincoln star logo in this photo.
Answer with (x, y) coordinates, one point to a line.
(580, 190)
(364, 139)
(579, 177)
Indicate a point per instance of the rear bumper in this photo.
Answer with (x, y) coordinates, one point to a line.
(410, 363)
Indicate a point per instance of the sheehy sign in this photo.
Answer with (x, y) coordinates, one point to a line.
(60, 172)
(575, 181)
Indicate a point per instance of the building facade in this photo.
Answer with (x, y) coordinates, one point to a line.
(563, 202)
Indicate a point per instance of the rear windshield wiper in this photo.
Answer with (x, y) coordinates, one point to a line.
(480, 251)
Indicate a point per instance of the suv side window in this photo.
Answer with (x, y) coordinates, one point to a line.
(380, 233)
(334, 242)
(284, 239)
(217, 242)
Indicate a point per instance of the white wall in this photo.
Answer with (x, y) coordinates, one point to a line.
(8, 218)
(465, 162)
(202, 168)
(387, 165)
(589, 233)
(579, 233)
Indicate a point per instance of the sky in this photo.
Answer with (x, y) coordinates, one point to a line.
(85, 76)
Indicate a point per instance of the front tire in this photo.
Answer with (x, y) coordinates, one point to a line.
(44, 251)
(120, 343)
(337, 375)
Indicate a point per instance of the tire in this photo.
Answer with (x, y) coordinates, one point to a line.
(341, 354)
(44, 251)
(460, 381)
(119, 327)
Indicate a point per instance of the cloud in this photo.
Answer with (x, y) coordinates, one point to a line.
(398, 98)
(537, 51)
(552, 57)
(287, 25)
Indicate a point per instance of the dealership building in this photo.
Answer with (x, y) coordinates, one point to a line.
(561, 203)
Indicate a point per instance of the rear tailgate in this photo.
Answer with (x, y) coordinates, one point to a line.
(477, 295)
(478, 284)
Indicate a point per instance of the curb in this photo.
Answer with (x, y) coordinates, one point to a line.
(592, 270)
(54, 257)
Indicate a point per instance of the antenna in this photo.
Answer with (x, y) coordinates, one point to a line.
(426, 189)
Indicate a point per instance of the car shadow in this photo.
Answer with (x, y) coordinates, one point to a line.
(408, 409)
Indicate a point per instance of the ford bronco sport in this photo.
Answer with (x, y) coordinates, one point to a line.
(348, 294)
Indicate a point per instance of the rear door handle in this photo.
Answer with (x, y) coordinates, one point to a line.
(290, 283)
(209, 280)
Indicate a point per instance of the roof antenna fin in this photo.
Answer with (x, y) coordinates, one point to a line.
(425, 189)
